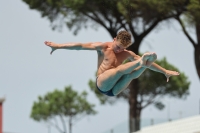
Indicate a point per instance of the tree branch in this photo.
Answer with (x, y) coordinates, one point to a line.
(77, 119)
(132, 30)
(148, 103)
(63, 123)
(119, 20)
(141, 99)
(185, 32)
(55, 125)
(151, 99)
(97, 19)
(150, 28)
(105, 15)
(122, 26)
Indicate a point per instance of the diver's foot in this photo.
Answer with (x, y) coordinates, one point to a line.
(147, 59)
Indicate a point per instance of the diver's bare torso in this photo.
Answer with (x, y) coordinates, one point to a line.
(107, 59)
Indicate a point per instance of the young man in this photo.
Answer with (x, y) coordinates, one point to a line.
(113, 76)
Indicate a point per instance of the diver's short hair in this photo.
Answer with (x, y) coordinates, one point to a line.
(124, 37)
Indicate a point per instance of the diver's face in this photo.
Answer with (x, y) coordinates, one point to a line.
(117, 46)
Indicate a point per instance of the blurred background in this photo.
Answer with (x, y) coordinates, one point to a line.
(28, 71)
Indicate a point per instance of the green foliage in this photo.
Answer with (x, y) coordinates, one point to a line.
(67, 103)
(110, 14)
(193, 11)
(152, 86)
(146, 9)
(159, 105)
(156, 82)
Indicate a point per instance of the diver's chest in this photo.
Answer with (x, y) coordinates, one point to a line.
(114, 59)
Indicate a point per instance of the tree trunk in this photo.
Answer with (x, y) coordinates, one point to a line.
(70, 125)
(197, 50)
(197, 59)
(134, 111)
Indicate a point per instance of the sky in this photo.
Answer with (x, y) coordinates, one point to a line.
(28, 70)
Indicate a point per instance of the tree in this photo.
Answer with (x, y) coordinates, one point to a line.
(190, 18)
(139, 17)
(152, 88)
(60, 105)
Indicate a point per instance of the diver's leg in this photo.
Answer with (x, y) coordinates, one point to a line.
(109, 78)
(125, 80)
